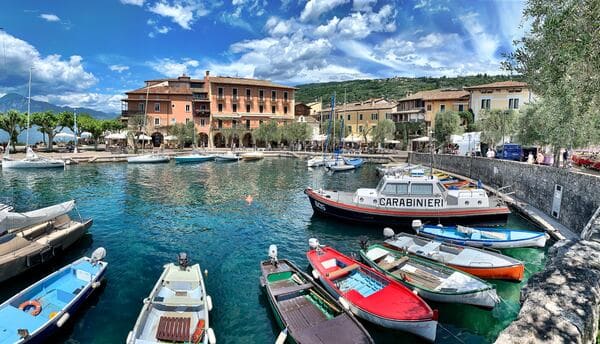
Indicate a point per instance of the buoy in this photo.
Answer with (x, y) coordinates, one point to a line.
(211, 336)
(209, 304)
(249, 199)
(344, 303)
(37, 307)
(315, 274)
(282, 336)
(62, 320)
(95, 285)
(205, 272)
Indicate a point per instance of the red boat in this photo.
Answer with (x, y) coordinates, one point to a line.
(370, 294)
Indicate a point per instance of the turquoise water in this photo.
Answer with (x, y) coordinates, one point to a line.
(145, 214)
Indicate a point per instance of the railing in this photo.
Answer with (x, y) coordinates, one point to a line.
(220, 96)
(202, 112)
(200, 98)
(131, 112)
(261, 100)
(248, 98)
(235, 97)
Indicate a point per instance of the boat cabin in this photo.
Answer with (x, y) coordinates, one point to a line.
(418, 192)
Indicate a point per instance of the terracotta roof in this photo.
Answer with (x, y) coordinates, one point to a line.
(162, 90)
(245, 81)
(440, 94)
(500, 84)
(176, 79)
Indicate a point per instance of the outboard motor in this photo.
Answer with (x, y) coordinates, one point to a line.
(313, 243)
(98, 255)
(182, 259)
(388, 232)
(273, 255)
(417, 225)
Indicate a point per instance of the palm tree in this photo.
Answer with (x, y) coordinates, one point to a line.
(14, 123)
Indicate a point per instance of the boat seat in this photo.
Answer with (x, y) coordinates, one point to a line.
(292, 289)
(429, 249)
(12, 245)
(337, 273)
(173, 329)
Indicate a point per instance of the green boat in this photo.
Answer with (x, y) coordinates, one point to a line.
(432, 281)
(305, 312)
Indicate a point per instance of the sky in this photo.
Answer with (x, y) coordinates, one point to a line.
(88, 53)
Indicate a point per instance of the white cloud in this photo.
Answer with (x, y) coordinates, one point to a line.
(50, 17)
(360, 25)
(432, 6)
(279, 27)
(133, 2)
(314, 8)
(172, 68)
(118, 68)
(362, 5)
(484, 43)
(182, 12)
(163, 29)
(329, 29)
(109, 103)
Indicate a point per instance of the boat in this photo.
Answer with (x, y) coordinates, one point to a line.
(194, 157)
(176, 309)
(498, 238)
(399, 199)
(319, 161)
(31, 161)
(370, 294)
(484, 264)
(44, 307)
(152, 158)
(432, 281)
(304, 310)
(33, 238)
(227, 157)
(395, 167)
(251, 156)
(344, 164)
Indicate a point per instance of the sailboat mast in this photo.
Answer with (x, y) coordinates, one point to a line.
(75, 127)
(145, 117)
(28, 109)
(333, 114)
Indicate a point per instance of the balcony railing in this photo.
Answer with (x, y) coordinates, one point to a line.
(202, 112)
(220, 96)
(131, 112)
(235, 98)
(201, 99)
(248, 98)
(261, 100)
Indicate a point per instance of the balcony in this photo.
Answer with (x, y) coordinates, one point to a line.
(261, 100)
(200, 99)
(248, 98)
(126, 113)
(202, 112)
(235, 98)
(220, 97)
(286, 100)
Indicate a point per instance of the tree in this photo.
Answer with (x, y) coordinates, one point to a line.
(14, 123)
(267, 132)
(112, 125)
(138, 122)
(183, 132)
(529, 129)
(94, 126)
(560, 59)
(406, 130)
(447, 123)
(496, 124)
(295, 132)
(384, 130)
(48, 124)
(66, 119)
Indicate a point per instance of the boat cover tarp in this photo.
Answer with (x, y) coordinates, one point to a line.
(12, 220)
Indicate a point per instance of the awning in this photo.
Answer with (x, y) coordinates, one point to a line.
(86, 135)
(171, 138)
(391, 141)
(353, 139)
(64, 135)
(144, 138)
(116, 136)
(421, 139)
(319, 138)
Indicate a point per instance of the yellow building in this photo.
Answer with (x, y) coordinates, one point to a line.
(504, 95)
(359, 116)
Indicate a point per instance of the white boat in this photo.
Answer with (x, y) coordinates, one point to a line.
(251, 156)
(152, 158)
(319, 161)
(10, 221)
(226, 157)
(176, 309)
(31, 161)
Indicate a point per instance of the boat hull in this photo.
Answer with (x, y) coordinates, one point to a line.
(148, 160)
(509, 273)
(327, 207)
(226, 158)
(537, 240)
(23, 164)
(192, 159)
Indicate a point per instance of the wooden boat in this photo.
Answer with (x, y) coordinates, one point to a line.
(251, 156)
(370, 294)
(176, 309)
(193, 158)
(38, 311)
(227, 157)
(153, 158)
(32, 238)
(397, 200)
(483, 237)
(303, 309)
(481, 263)
(433, 281)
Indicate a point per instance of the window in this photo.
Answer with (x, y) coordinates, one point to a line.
(187, 107)
(202, 122)
(248, 94)
(156, 107)
(285, 95)
(220, 124)
(173, 120)
(360, 128)
(260, 122)
(247, 124)
(234, 107)
(374, 117)
(220, 107)
(402, 189)
(421, 189)
(428, 107)
(156, 121)
(234, 124)
(395, 189)
(513, 103)
(141, 107)
(485, 104)
(273, 95)
(360, 118)
(461, 107)
(187, 121)
(285, 109)
(349, 116)
(261, 94)
(234, 93)
(220, 92)
(203, 107)
(247, 107)
(273, 109)
(350, 129)
(442, 108)
(260, 108)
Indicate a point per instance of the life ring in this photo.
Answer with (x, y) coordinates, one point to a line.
(37, 307)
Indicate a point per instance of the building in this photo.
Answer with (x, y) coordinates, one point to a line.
(359, 116)
(504, 95)
(220, 107)
(424, 105)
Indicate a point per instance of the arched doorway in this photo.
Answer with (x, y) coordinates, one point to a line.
(202, 140)
(247, 140)
(235, 141)
(157, 139)
(219, 140)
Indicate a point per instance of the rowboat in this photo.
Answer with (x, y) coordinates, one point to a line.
(153, 158)
(251, 156)
(176, 309)
(40, 310)
(370, 294)
(483, 237)
(433, 281)
(477, 262)
(192, 158)
(305, 312)
(227, 157)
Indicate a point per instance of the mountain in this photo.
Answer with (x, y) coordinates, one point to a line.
(391, 88)
(19, 103)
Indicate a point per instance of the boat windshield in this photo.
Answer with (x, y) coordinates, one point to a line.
(380, 185)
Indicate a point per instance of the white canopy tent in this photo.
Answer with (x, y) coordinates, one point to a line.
(171, 138)
(116, 136)
(143, 137)
(421, 139)
(86, 135)
(319, 138)
(64, 136)
(352, 139)
(394, 142)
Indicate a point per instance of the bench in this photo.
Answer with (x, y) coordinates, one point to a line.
(337, 273)
(173, 329)
(291, 289)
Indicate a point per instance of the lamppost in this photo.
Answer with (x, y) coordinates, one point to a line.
(431, 151)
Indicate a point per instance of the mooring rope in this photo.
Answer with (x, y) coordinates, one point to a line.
(452, 334)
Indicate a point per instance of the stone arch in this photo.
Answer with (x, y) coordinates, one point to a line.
(202, 140)
(219, 140)
(247, 140)
(157, 139)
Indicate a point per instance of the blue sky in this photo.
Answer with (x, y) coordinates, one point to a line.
(87, 53)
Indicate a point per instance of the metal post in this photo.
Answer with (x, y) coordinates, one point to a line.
(28, 109)
(75, 131)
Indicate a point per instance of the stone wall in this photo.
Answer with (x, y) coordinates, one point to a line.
(533, 184)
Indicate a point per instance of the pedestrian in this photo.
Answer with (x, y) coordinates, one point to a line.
(490, 153)
(530, 159)
(566, 158)
(540, 158)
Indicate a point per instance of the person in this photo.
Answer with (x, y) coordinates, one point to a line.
(540, 158)
(566, 158)
(490, 153)
(530, 159)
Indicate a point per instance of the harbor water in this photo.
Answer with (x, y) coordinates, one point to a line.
(145, 214)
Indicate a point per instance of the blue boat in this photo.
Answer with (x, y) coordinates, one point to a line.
(500, 237)
(38, 311)
(193, 158)
(356, 162)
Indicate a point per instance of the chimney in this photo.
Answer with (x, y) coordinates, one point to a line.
(207, 73)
